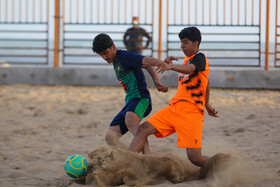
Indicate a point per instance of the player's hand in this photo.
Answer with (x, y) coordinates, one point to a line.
(162, 67)
(161, 87)
(211, 111)
(168, 60)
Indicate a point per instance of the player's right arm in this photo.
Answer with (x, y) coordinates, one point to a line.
(211, 111)
(168, 65)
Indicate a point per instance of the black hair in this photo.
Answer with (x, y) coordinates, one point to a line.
(191, 33)
(101, 42)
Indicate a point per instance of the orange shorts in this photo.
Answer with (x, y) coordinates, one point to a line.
(182, 117)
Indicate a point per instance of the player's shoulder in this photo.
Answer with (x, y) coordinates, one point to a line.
(123, 54)
(200, 56)
(129, 60)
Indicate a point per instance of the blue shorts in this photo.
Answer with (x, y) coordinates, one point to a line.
(140, 106)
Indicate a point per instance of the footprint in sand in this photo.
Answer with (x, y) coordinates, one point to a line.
(251, 116)
(80, 111)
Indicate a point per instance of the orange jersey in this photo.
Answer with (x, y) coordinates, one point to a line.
(192, 86)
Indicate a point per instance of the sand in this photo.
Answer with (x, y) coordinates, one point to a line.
(40, 126)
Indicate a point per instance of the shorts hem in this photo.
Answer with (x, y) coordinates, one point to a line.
(114, 124)
(158, 134)
(190, 147)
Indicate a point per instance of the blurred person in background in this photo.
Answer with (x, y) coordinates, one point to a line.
(133, 38)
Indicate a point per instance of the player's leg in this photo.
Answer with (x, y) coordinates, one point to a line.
(132, 122)
(112, 137)
(137, 109)
(196, 157)
(158, 124)
(189, 125)
(116, 129)
(139, 140)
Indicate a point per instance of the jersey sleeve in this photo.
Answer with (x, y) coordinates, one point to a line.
(199, 61)
(130, 60)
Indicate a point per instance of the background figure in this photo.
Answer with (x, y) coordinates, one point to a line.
(133, 37)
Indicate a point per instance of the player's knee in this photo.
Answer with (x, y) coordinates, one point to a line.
(110, 139)
(131, 125)
(143, 130)
(195, 160)
(131, 116)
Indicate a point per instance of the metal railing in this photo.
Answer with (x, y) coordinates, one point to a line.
(83, 20)
(277, 36)
(24, 33)
(231, 29)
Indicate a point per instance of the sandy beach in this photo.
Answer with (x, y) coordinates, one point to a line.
(40, 126)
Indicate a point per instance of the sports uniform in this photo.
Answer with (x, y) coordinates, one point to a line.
(185, 112)
(128, 69)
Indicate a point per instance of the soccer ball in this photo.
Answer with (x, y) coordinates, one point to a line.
(75, 166)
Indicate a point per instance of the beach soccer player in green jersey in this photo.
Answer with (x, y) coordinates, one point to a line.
(128, 68)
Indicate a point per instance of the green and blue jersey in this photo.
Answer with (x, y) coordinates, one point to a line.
(128, 69)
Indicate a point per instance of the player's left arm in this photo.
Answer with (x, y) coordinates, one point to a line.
(154, 74)
(211, 111)
(148, 63)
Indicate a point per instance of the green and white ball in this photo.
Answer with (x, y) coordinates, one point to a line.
(75, 166)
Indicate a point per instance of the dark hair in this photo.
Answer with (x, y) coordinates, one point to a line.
(191, 33)
(101, 42)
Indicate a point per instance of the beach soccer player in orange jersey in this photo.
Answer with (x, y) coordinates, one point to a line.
(185, 112)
